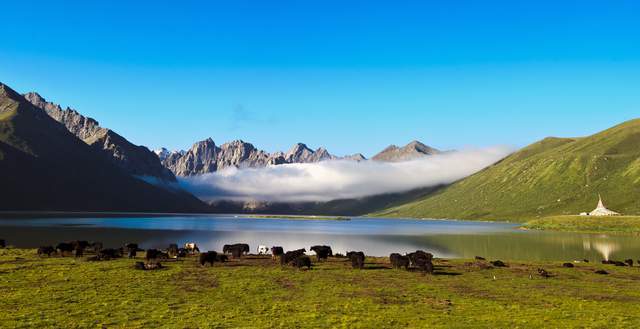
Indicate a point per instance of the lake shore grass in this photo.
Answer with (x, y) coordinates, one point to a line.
(296, 217)
(256, 292)
(587, 224)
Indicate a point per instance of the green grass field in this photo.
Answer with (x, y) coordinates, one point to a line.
(614, 224)
(257, 293)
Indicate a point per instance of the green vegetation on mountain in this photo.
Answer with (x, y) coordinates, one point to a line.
(256, 292)
(609, 224)
(556, 176)
(45, 167)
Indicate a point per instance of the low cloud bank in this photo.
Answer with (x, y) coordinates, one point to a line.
(339, 179)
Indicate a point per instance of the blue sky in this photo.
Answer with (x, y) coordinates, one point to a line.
(353, 76)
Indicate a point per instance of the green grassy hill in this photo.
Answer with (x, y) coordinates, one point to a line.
(556, 176)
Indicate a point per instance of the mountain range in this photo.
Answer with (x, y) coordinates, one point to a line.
(206, 157)
(46, 167)
(57, 159)
(555, 176)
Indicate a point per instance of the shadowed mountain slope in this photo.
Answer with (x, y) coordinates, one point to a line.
(46, 167)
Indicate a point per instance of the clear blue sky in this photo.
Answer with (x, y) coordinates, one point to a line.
(353, 76)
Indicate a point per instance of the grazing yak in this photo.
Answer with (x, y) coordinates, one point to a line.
(207, 257)
(422, 260)
(302, 261)
(131, 249)
(357, 259)
(78, 251)
(96, 246)
(46, 250)
(236, 250)
(191, 247)
(276, 252)
(64, 247)
(263, 250)
(629, 262)
(172, 251)
(80, 244)
(322, 252)
(543, 273)
(155, 254)
(567, 265)
(399, 261)
(222, 258)
(498, 263)
(182, 252)
(291, 255)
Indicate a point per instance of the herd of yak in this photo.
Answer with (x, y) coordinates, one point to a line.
(419, 259)
(297, 258)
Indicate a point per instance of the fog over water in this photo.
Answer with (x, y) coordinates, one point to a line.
(340, 179)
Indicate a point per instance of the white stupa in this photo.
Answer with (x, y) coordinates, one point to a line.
(601, 210)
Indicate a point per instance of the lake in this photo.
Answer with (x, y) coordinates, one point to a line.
(374, 236)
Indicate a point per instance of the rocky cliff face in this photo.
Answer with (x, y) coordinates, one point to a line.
(205, 157)
(411, 151)
(134, 159)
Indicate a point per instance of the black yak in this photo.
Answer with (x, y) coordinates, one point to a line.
(46, 250)
(172, 251)
(207, 257)
(64, 247)
(399, 261)
(567, 265)
(322, 252)
(498, 263)
(236, 250)
(291, 255)
(3, 243)
(302, 261)
(276, 252)
(357, 259)
(96, 246)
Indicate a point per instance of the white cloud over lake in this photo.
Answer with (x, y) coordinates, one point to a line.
(339, 179)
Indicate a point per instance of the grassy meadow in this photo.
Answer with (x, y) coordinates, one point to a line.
(555, 176)
(587, 224)
(255, 292)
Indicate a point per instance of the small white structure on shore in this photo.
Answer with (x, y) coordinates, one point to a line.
(600, 210)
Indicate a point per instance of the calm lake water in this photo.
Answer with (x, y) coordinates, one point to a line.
(374, 236)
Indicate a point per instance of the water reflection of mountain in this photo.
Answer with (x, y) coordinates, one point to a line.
(377, 237)
(533, 245)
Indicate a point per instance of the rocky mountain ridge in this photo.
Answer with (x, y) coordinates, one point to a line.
(206, 157)
(134, 159)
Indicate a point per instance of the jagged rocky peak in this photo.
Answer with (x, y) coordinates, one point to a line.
(413, 150)
(78, 124)
(300, 153)
(134, 159)
(201, 158)
(355, 157)
(241, 154)
(162, 153)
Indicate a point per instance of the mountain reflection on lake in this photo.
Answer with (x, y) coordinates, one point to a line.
(374, 236)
